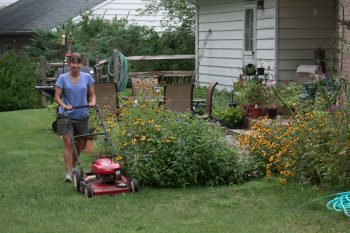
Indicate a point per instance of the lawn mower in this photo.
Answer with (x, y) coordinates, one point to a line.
(106, 176)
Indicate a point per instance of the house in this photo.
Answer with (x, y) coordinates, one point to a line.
(19, 19)
(129, 9)
(5, 3)
(275, 34)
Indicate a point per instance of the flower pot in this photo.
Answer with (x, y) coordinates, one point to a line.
(254, 112)
(272, 113)
(261, 71)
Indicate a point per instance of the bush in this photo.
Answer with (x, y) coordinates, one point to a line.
(231, 117)
(171, 150)
(18, 77)
(313, 147)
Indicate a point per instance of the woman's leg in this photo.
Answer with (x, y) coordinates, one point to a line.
(69, 158)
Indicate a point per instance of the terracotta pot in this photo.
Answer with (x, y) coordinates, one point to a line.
(254, 112)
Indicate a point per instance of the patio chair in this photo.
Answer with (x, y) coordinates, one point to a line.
(144, 87)
(208, 105)
(106, 96)
(179, 97)
(209, 100)
(306, 73)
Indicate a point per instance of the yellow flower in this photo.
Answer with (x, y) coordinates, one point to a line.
(123, 132)
(282, 181)
(143, 138)
(133, 141)
(151, 121)
(125, 144)
(142, 122)
(157, 127)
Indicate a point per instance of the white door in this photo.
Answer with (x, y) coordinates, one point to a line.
(249, 35)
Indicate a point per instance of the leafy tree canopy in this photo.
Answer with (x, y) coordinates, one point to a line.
(182, 11)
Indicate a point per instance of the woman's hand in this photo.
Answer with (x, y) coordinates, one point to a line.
(67, 107)
(92, 103)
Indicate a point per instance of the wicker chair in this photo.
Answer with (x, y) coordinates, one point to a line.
(179, 97)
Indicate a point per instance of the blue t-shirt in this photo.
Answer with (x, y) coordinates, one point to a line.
(75, 94)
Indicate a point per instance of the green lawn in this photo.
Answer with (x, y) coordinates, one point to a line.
(34, 198)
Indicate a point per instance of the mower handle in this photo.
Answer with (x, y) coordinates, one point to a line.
(83, 106)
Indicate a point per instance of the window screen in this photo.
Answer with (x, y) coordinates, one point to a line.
(249, 30)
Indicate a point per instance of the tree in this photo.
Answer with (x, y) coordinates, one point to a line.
(182, 11)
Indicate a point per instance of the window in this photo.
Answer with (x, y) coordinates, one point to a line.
(249, 30)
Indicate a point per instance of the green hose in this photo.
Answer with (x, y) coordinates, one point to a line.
(123, 71)
(341, 203)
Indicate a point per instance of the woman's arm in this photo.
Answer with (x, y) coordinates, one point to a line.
(58, 98)
(92, 96)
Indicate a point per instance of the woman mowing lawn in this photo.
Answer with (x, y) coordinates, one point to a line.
(71, 90)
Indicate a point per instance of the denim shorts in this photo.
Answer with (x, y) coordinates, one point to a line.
(77, 126)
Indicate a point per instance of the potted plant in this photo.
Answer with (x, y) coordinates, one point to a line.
(252, 97)
(261, 69)
(249, 69)
(231, 117)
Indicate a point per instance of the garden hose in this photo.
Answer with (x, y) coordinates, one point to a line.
(341, 203)
(123, 71)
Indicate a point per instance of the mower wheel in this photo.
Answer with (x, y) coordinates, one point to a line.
(134, 185)
(88, 191)
(54, 126)
(76, 180)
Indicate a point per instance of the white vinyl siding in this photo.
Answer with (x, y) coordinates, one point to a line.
(129, 9)
(222, 59)
(303, 27)
(265, 36)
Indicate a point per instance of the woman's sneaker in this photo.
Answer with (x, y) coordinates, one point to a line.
(68, 177)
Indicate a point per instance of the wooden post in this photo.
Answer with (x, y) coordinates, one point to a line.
(43, 77)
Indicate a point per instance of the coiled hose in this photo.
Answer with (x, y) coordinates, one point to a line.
(123, 71)
(341, 203)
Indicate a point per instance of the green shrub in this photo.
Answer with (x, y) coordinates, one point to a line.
(313, 147)
(231, 117)
(18, 77)
(171, 150)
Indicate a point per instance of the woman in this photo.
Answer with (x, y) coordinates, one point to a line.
(72, 89)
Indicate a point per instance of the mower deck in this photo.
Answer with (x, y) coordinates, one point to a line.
(108, 189)
(116, 187)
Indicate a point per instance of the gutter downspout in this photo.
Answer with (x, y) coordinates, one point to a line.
(276, 40)
(197, 45)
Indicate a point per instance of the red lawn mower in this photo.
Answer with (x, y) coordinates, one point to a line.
(106, 176)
